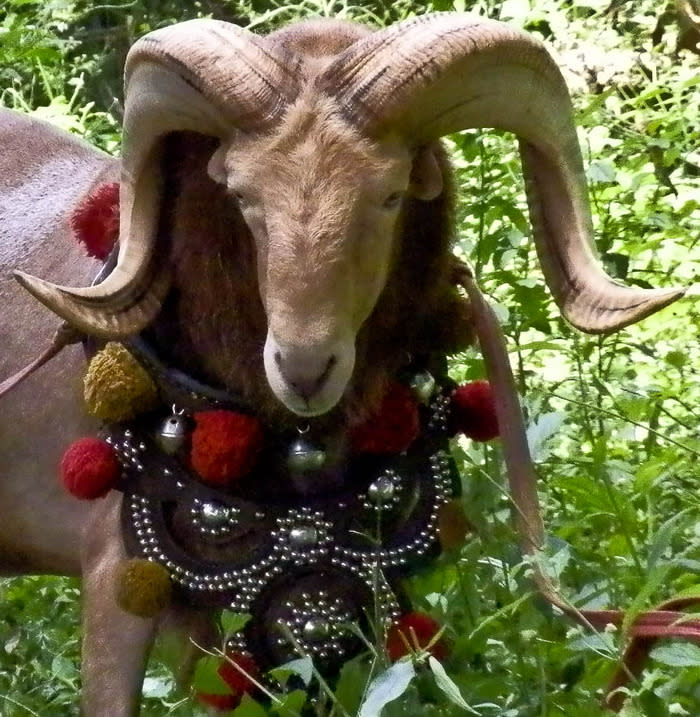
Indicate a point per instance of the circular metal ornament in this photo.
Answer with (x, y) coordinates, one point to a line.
(316, 629)
(381, 490)
(303, 537)
(213, 514)
(304, 457)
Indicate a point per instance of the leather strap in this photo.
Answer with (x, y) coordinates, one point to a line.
(65, 336)
(667, 620)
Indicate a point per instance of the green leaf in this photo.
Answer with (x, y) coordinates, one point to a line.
(677, 359)
(541, 430)
(64, 669)
(601, 171)
(292, 704)
(206, 677)
(663, 537)
(654, 580)
(351, 684)
(249, 708)
(233, 622)
(446, 684)
(386, 687)
(302, 666)
(677, 654)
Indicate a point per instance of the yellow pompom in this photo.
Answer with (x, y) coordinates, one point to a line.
(453, 525)
(117, 387)
(143, 588)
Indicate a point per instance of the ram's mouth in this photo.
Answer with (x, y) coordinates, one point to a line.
(309, 380)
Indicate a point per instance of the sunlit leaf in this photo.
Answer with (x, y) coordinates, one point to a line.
(386, 687)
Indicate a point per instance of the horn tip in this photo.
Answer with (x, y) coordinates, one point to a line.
(642, 303)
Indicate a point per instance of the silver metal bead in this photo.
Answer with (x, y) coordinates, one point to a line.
(381, 490)
(316, 629)
(303, 537)
(304, 457)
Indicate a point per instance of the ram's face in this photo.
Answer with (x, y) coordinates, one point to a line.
(323, 206)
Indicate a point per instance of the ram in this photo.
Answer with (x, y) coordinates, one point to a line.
(285, 234)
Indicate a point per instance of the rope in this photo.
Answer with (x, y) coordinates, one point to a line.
(65, 336)
(667, 619)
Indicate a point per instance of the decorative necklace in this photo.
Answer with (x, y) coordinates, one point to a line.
(220, 512)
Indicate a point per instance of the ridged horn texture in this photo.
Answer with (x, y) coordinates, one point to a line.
(442, 73)
(203, 75)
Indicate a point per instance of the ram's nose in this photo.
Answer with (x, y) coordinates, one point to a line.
(309, 379)
(306, 371)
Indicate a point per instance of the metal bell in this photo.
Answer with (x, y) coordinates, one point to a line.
(304, 457)
(423, 386)
(172, 433)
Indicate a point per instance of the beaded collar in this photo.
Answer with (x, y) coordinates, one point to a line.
(303, 550)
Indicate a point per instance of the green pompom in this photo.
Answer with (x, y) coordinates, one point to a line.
(143, 588)
(117, 387)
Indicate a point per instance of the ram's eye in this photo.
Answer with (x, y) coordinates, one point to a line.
(393, 200)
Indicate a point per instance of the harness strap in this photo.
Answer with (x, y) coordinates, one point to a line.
(65, 336)
(667, 620)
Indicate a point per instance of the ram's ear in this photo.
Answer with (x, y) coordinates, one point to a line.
(216, 168)
(426, 176)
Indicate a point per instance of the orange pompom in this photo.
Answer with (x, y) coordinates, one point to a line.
(89, 468)
(473, 411)
(225, 445)
(393, 427)
(415, 627)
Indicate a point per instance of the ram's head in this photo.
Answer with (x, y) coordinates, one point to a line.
(326, 133)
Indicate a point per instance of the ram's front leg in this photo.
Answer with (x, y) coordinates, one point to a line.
(115, 643)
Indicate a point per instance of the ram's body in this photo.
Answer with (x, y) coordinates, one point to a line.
(44, 174)
(302, 259)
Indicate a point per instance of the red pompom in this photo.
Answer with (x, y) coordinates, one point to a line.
(219, 702)
(473, 411)
(393, 428)
(225, 445)
(424, 628)
(89, 468)
(96, 221)
(236, 680)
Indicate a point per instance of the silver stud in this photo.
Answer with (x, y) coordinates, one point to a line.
(381, 490)
(304, 536)
(214, 514)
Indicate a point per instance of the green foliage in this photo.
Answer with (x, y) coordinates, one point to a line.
(612, 419)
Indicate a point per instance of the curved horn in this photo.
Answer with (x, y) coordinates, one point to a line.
(442, 73)
(203, 75)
